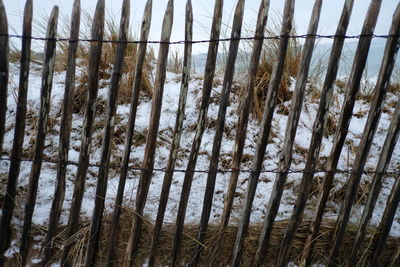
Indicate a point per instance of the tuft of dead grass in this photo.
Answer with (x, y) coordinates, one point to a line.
(109, 49)
(175, 62)
(268, 60)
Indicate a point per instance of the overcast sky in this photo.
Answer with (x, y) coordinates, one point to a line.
(203, 10)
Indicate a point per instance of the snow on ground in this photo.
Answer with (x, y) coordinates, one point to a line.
(170, 102)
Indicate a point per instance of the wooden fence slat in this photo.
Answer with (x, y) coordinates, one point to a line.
(347, 112)
(344, 121)
(19, 133)
(388, 62)
(241, 130)
(180, 116)
(209, 72)
(318, 130)
(93, 82)
(219, 128)
(285, 158)
(394, 197)
(141, 55)
(4, 71)
(265, 128)
(148, 160)
(102, 179)
(65, 133)
(45, 96)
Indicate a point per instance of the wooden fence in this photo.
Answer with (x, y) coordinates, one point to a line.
(285, 251)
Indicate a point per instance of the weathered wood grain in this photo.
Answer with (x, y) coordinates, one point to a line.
(19, 133)
(141, 55)
(148, 160)
(241, 129)
(65, 133)
(209, 72)
(219, 128)
(316, 139)
(45, 96)
(285, 158)
(101, 188)
(265, 128)
(87, 129)
(187, 61)
(394, 197)
(4, 71)
(388, 63)
(345, 117)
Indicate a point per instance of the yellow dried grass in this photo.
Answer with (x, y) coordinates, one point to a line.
(106, 63)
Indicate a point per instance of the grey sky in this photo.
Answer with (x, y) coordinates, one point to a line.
(203, 10)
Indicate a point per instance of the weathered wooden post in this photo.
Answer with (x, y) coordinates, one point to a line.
(45, 96)
(345, 117)
(388, 62)
(219, 128)
(316, 139)
(4, 71)
(394, 197)
(19, 133)
(241, 129)
(318, 129)
(80, 179)
(262, 140)
(285, 158)
(148, 160)
(209, 72)
(95, 225)
(141, 55)
(65, 133)
(344, 121)
(187, 62)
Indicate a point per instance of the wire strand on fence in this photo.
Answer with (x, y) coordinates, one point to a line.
(133, 168)
(275, 37)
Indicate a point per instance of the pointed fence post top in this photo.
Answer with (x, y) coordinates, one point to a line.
(189, 11)
(76, 5)
(3, 19)
(146, 21)
(28, 11)
(98, 19)
(372, 14)
(125, 15)
(28, 6)
(288, 17)
(167, 22)
(189, 22)
(53, 21)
